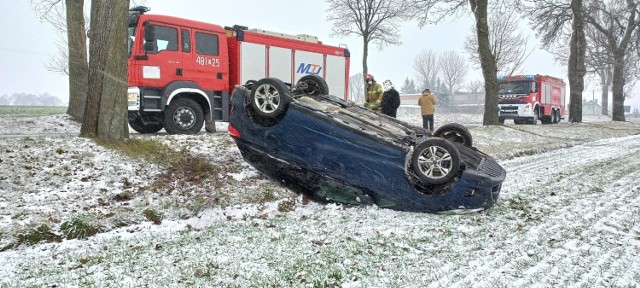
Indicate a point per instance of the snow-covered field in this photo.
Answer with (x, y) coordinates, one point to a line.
(567, 216)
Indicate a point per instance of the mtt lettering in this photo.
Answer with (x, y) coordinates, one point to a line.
(309, 69)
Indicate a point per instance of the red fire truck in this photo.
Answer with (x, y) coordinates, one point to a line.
(529, 98)
(181, 72)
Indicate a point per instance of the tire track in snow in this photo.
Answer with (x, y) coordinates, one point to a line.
(589, 195)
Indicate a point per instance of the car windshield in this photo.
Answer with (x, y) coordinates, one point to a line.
(519, 87)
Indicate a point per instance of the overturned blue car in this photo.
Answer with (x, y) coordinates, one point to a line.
(336, 151)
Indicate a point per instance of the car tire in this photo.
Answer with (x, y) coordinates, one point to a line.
(435, 161)
(270, 97)
(142, 128)
(183, 116)
(312, 85)
(250, 83)
(501, 120)
(455, 132)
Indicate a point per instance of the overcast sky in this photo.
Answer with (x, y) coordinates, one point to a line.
(28, 44)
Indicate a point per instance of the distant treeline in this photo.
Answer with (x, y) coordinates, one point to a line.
(24, 99)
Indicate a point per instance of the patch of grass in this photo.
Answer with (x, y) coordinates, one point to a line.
(81, 227)
(266, 192)
(181, 165)
(287, 205)
(35, 235)
(152, 215)
(121, 219)
(200, 203)
(30, 111)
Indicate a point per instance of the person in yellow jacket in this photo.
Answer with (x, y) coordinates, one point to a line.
(374, 94)
(427, 104)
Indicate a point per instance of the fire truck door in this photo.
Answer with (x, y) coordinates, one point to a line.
(207, 63)
(163, 61)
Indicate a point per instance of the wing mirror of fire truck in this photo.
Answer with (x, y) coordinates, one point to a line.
(149, 46)
(149, 37)
(534, 87)
(149, 32)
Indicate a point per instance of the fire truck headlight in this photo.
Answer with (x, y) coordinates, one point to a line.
(527, 107)
(133, 96)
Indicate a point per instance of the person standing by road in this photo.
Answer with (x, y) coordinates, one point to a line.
(390, 99)
(374, 94)
(427, 104)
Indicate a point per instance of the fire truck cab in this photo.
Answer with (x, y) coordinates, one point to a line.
(181, 72)
(529, 98)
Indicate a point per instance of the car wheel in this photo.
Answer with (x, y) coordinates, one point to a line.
(270, 97)
(312, 85)
(183, 116)
(455, 132)
(142, 128)
(501, 120)
(435, 161)
(249, 84)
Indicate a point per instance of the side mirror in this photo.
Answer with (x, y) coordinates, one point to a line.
(149, 46)
(534, 87)
(149, 32)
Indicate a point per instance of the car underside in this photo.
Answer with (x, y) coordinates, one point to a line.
(334, 150)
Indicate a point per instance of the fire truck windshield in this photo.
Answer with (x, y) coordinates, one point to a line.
(515, 87)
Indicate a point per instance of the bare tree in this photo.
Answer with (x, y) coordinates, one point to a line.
(356, 90)
(376, 21)
(426, 66)
(618, 21)
(556, 22)
(67, 18)
(599, 63)
(106, 108)
(453, 69)
(508, 42)
(433, 11)
(476, 87)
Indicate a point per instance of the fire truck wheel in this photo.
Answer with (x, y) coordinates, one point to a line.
(183, 116)
(501, 120)
(270, 97)
(556, 116)
(312, 85)
(142, 128)
(455, 132)
(435, 161)
(534, 119)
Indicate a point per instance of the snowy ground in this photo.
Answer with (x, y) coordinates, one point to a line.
(567, 216)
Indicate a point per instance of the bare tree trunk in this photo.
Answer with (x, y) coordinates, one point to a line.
(78, 64)
(105, 115)
(365, 68)
(487, 62)
(618, 86)
(605, 81)
(576, 65)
